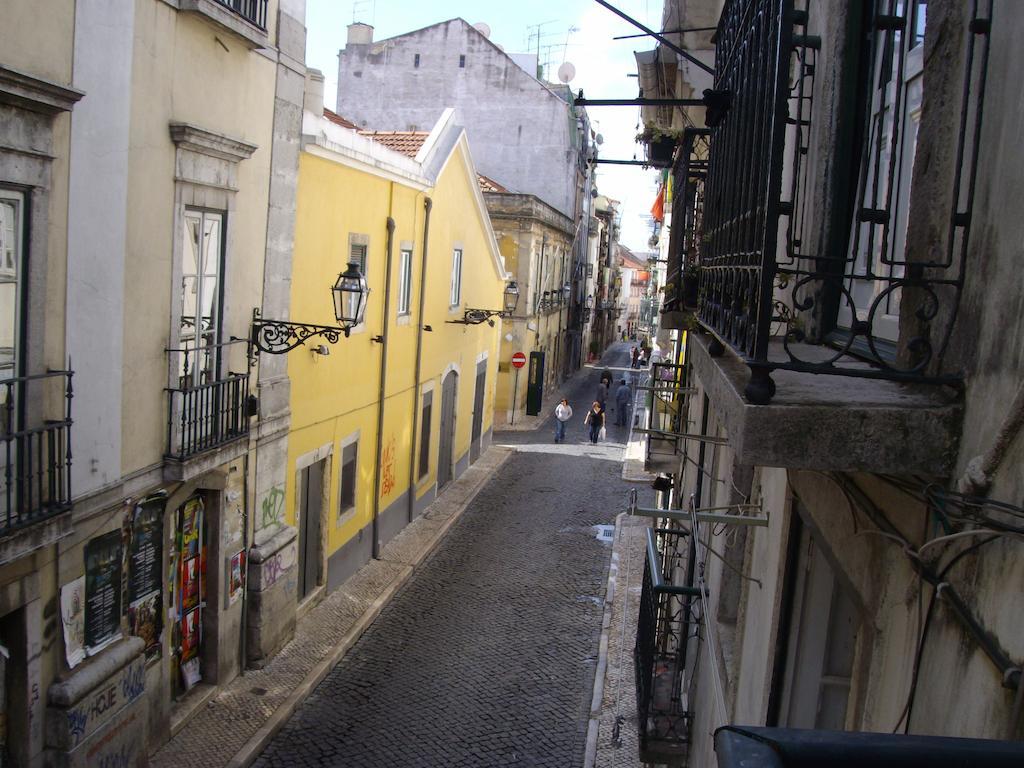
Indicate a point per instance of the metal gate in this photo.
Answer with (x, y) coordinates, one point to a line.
(310, 510)
(447, 438)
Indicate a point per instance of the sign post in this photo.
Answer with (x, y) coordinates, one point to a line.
(518, 361)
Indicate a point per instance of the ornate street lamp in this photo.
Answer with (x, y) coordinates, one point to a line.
(348, 293)
(510, 301)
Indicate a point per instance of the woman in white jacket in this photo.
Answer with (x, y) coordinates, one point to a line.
(563, 412)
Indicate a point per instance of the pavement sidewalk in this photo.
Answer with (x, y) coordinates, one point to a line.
(241, 718)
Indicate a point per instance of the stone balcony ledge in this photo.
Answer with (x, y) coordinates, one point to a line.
(831, 423)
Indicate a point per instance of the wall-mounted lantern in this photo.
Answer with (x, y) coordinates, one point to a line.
(476, 316)
(348, 293)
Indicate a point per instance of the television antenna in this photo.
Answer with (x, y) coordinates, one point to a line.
(361, 9)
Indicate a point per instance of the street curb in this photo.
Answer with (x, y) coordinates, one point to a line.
(597, 700)
(259, 740)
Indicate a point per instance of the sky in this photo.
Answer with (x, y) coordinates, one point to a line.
(602, 66)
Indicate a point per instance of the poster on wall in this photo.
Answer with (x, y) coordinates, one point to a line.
(236, 576)
(72, 612)
(102, 591)
(145, 556)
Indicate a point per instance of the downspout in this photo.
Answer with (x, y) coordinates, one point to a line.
(427, 205)
(383, 338)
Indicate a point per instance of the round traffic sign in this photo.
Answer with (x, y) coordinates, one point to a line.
(518, 359)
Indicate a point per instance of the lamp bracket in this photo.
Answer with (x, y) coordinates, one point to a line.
(476, 316)
(276, 337)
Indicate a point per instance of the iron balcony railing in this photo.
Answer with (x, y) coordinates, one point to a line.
(208, 414)
(666, 405)
(665, 622)
(771, 267)
(689, 176)
(253, 11)
(36, 453)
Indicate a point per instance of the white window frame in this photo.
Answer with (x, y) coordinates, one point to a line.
(404, 281)
(203, 367)
(455, 295)
(11, 271)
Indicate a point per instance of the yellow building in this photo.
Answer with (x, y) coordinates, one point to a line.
(384, 419)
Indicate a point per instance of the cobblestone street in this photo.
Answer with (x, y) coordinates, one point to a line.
(487, 656)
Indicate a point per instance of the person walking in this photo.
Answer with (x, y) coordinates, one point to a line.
(602, 394)
(595, 419)
(623, 401)
(563, 412)
(636, 357)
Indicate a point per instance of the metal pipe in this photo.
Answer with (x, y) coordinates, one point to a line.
(417, 366)
(660, 38)
(639, 101)
(381, 390)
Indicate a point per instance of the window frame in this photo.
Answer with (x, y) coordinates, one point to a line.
(426, 424)
(404, 282)
(348, 492)
(207, 365)
(16, 276)
(455, 291)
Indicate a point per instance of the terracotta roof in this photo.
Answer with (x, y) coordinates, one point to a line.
(406, 142)
(339, 120)
(489, 185)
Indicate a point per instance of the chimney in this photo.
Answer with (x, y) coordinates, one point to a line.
(359, 34)
(313, 99)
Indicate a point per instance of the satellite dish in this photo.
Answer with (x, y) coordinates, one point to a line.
(483, 28)
(566, 72)
(599, 139)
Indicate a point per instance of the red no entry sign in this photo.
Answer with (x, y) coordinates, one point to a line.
(518, 359)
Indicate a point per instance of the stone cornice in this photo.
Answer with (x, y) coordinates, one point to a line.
(196, 139)
(36, 94)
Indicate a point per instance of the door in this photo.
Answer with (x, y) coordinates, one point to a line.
(478, 410)
(310, 512)
(189, 565)
(535, 384)
(447, 438)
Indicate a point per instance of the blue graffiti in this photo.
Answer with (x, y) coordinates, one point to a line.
(122, 758)
(133, 684)
(77, 721)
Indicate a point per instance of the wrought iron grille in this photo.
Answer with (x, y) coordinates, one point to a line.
(665, 414)
(254, 11)
(205, 410)
(769, 268)
(684, 248)
(36, 460)
(664, 625)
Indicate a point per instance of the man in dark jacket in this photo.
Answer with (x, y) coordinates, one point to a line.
(623, 403)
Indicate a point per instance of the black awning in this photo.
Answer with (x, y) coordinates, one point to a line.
(752, 747)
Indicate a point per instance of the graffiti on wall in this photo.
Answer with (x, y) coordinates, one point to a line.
(275, 566)
(104, 703)
(272, 507)
(387, 484)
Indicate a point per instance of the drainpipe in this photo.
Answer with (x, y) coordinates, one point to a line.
(427, 205)
(383, 339)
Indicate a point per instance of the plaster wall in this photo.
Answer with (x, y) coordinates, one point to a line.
(43, 50)
(522, 134)
(97, 225)
(174, 52)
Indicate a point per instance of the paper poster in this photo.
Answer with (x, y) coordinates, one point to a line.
(190, 673)
(190, 634)
(236, 579)
(190, 583)
(102, 590)
(144, 621)
(72, 611)
(145, 550)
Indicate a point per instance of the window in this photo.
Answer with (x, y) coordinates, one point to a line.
(12, 206)
(349, 476)
(878, 237)
(820, 649)
(201, 296)
(404, 281)
(416, 61)
(456, 292)
(424, 467)
(462, 61)
(357, 252)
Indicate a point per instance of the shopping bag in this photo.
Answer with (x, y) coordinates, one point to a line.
(601, 434)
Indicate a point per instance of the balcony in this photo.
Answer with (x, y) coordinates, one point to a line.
(665, 623)
(205, 417)
(778, 271)
(35, 501)
(245, 19)
(665, 417)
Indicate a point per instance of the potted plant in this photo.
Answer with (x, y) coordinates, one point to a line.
(661, 143)
(690, 283)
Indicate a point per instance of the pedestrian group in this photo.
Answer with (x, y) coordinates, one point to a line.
(595, 417)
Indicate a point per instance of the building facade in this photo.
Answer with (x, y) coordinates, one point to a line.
(151, 221)
(404, 404)
(842, 499)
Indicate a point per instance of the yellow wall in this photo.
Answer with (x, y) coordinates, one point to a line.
(334, 396)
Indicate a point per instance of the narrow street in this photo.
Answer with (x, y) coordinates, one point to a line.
(487, 656)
